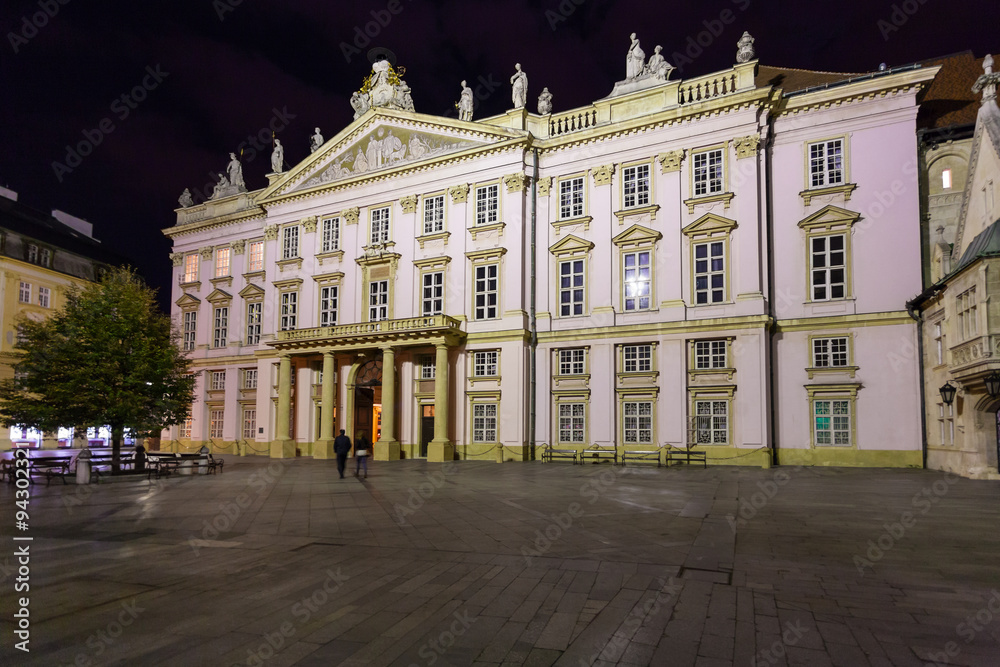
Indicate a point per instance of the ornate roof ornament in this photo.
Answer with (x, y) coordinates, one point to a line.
(383, 88)
(987, 83)
(744, 49)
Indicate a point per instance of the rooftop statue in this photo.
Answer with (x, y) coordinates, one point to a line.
(519, 81)
(658, 65)
(465, 103)
(744, 48)
(382, 88)
(545, 102)
(635, 60)
(185, 199)
(315, 142)
(235, 170)
(278, 157)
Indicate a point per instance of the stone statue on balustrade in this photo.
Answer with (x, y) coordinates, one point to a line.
(315, 141)
(185, 199)
(744, 48)
(519, 82)
(465, 103)
(545, 102)
(278, 157)
(635, 59)
(658, 66)
(235, 170)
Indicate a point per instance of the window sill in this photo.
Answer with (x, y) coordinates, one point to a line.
(845, 189)
(651, 209)
(497, 227)
(222, 280)
(282, 264)
(333, 255)
(436, 236)
(255, 274)
(559, 225)
(728, 371)
(813, 371)
(724, 197)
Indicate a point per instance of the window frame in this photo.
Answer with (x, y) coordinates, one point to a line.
(252, 250)
(490, 361)
(24, 292)
(330, 234)
(254, 321)
(44, 296)
(383, 234)
(223, 268)
(707, 358)
(220, 325)
(639, 348)
(574, 303)
(437, 292)
(967, 314)
(569, 367)
(483, 312)
(329, 304)
(650, 281)
(189, 329)
(626, 418)
(710, 290)
(643, 198)
(837, 392)
(190, 268)
(217, 380)
(249, 378)
(216, 422)
(486, 424)
(481, 210)
(378, 300)
(438, 213)
(844, 162)
(570, 180)
(291, 242)
(288, 309)
(577, 422)
(249, 429)
(708, 180)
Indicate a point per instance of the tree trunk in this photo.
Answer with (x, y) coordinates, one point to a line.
(117, 435)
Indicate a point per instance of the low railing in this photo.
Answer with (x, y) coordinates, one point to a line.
(572, 121)
(707, 88)
(368, 328)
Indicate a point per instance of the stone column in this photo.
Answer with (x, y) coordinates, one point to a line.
(324, 447)
(387, 447)
(441, 449)
(282, 447)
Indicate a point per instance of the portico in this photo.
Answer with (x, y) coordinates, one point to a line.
(370, 351)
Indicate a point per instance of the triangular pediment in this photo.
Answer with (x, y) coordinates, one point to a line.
(186, 301)
(984, 165)
(251, 291)
(829, 217)
(571, 244)
(384, 140)
(709, 224)
(218, 295)
(637, 235)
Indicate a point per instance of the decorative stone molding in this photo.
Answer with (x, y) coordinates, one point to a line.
(724, 197)
(309, 224)
(602, 175)
(671, 161)
(846, 189)
(239, 247)
(459, 194)
(206, 253)
(177, 258)
(289, 263)
(746, 146)
(515, 182)
(427, 238)
(271, 232)
(409, 204)
(544, 185)
(497, 227)
(350, 215)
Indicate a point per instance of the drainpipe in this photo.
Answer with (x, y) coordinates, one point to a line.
(532, 323)
(912, 312)
(769, 222)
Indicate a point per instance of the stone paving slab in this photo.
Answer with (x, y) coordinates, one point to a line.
(477, 563)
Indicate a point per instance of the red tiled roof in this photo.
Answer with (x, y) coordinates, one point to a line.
(790, 79)
(949, 99)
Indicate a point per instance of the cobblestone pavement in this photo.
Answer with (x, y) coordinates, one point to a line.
(477, 563)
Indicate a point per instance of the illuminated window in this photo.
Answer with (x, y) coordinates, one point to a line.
(487, 204)
(434, 214)
(254, 310)
(24, 292)
(708, 172)
(638, 278)
(571, 197)
(184, 430)
(222, 261)
(946, 179)
(331, 235)
(191, 268)
(826, 163)
(256, 256)
(635, 186)
(380, 225)
(221, 328)
(290, 242)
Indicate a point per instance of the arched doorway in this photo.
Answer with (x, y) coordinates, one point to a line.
(368, 401)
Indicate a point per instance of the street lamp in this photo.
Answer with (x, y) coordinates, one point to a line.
(993, 384)
(948, 393)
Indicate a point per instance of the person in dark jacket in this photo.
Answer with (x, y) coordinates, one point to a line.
(342, 447)
(361, 451)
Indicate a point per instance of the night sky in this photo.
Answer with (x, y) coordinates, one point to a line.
(199, 77)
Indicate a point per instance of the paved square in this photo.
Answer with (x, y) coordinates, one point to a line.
(475, 563)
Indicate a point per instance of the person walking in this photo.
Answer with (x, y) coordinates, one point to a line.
(361, 450)
(342, 447)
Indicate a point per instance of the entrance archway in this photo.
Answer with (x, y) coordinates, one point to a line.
(368, 401)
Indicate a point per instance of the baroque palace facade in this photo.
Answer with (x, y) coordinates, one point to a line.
(721, 263)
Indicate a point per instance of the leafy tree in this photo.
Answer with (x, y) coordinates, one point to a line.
(109, 357)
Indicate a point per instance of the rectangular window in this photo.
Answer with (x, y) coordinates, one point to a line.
(708, 174)
(190, 329)
(24, 293)
(833, 421)
(184, 430)
(428, 369)
(637, 422)
(249, 378)
(45, 257)
(710, 354)
(32, 253)
(378, 300)
(487, 291)
(571, 198)
(571, 423)
(571, 362)
(830, 352)
(191, 268)
(638, 280)
(484, 422)
(938, 344)
(221, 328)
(256, 256)
(967, 310)
(946, 179)
(218, 380)
(329, 298)
(826, 163)
(484, 364)
(44, 297)
(289, 310)
(215, 424)
(829, 267)
(254, 310)
(709, 272)
(432, 298)
(712, 422)
(487, 204)
(434, 214)
(635, 186)
(331, 235)
(249, 423)
(571, 288)
(222, 261)
(380, 225)
(637, 358)
(290, 242)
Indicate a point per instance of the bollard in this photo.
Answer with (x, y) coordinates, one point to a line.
(83, 467)
(140, 458)
(203, 461)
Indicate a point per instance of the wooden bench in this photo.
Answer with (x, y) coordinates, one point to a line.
(686, 456)
(647, 455)
(549, 453)
(598, 454)
(50, 466)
